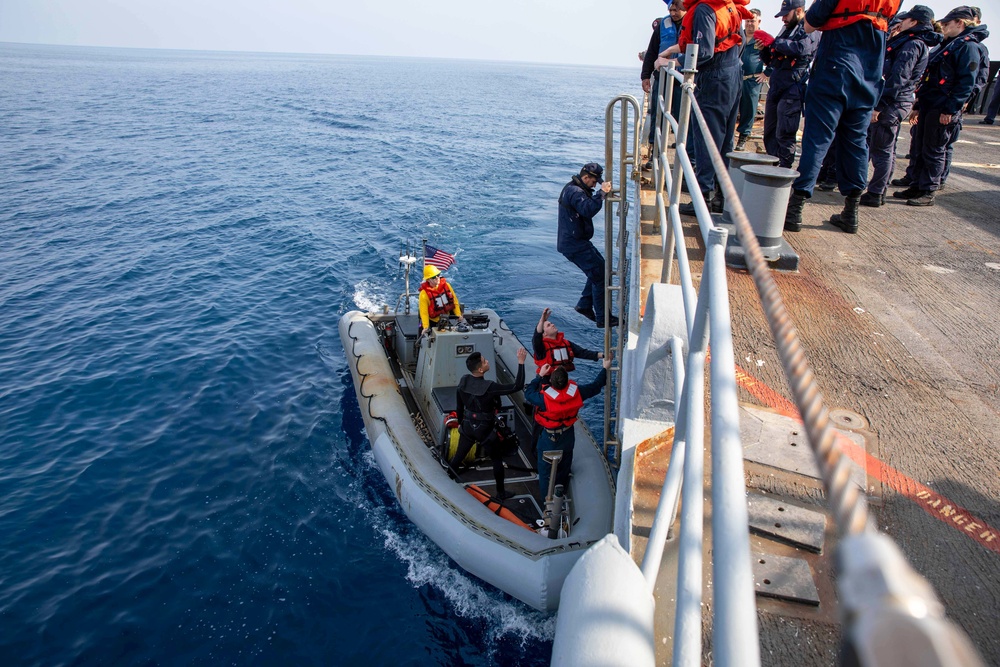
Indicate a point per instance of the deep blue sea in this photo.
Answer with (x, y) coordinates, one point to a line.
(184, 473)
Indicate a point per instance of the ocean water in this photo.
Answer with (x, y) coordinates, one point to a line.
(184, 473)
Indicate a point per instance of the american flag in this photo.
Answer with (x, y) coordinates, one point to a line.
(438, 258)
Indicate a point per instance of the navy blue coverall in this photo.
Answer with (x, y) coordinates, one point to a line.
(982, 77)
(905, 61)
(717, 89)
(788, 60)
(846, 82)
(578, 205)
(951, 76)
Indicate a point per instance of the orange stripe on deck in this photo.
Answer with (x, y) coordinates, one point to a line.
(930, 501)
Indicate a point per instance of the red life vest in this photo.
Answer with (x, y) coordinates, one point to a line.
(557, 353)
(729, 16)
(879, 12)
(439, 300)
(561, 407)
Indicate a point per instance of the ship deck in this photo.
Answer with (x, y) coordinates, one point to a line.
(901, 325)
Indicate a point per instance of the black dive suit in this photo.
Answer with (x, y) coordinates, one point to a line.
(478, 402)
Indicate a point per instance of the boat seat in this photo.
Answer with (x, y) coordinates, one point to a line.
(445, 399)
(408, 325)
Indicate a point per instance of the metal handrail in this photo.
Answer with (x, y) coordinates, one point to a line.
(616, 268)
(888, 581)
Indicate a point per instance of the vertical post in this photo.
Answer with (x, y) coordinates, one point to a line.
(406, 272)
(687, 621)
(734, 630)
(683, 123)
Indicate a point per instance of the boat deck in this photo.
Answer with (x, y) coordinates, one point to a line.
(902, 327)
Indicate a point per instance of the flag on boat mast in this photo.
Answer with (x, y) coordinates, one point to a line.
(438, 258)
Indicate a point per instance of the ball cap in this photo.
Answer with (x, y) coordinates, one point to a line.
(789, 5)
(919, 13)
(594, 170)
(963, 12)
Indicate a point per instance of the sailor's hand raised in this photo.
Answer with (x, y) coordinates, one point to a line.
(546, 369)
(522, 354)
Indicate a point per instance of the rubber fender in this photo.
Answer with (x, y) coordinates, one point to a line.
(605, 612)
(494, 506)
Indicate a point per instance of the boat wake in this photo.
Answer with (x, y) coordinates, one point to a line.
(369, 296)
(427, 565)
(504, 618)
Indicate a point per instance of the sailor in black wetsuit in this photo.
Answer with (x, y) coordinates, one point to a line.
(478, 402)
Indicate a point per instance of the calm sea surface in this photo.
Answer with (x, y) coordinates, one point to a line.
(184, 473)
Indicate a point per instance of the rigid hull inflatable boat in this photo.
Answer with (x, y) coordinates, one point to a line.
(406, 386)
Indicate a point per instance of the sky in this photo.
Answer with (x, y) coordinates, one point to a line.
(588, 32)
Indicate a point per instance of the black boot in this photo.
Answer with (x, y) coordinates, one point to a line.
(872, 199)
(793, 214)
(847, 219)
(909, 193)
(718, 202)
(688, 209)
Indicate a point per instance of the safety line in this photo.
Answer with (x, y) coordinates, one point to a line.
(927, 499)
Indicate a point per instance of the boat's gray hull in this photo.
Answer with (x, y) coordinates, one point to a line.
(526, 565)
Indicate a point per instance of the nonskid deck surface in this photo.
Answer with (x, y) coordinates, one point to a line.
(899, 323)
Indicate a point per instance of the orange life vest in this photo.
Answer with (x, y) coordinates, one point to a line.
(561, 407)
(558, 352)
(439, 300)
(729, 16)
(879, 12)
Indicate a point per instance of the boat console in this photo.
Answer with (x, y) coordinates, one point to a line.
(441, 363)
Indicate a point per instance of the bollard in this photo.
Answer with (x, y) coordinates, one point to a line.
(737, 160)
(765, 193)
(765, 197)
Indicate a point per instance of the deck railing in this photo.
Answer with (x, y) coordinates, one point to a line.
(877, 587)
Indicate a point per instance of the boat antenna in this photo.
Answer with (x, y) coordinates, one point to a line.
(406, 261)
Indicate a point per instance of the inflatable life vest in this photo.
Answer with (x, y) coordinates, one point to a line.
(494, 506)
(558, 352)
(561, 407)
(729, 16)
(668, 33)
(879, 12)
(439, 300)
(934, 66)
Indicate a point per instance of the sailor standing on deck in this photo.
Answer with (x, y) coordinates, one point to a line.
(716, 26)
(788, 59)
(666, 30)
(558, 408)
(845, 84)
(937, 112)
(437, 298)
(905, 62)
(478, 400)
(753, 79)
(578, 204)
